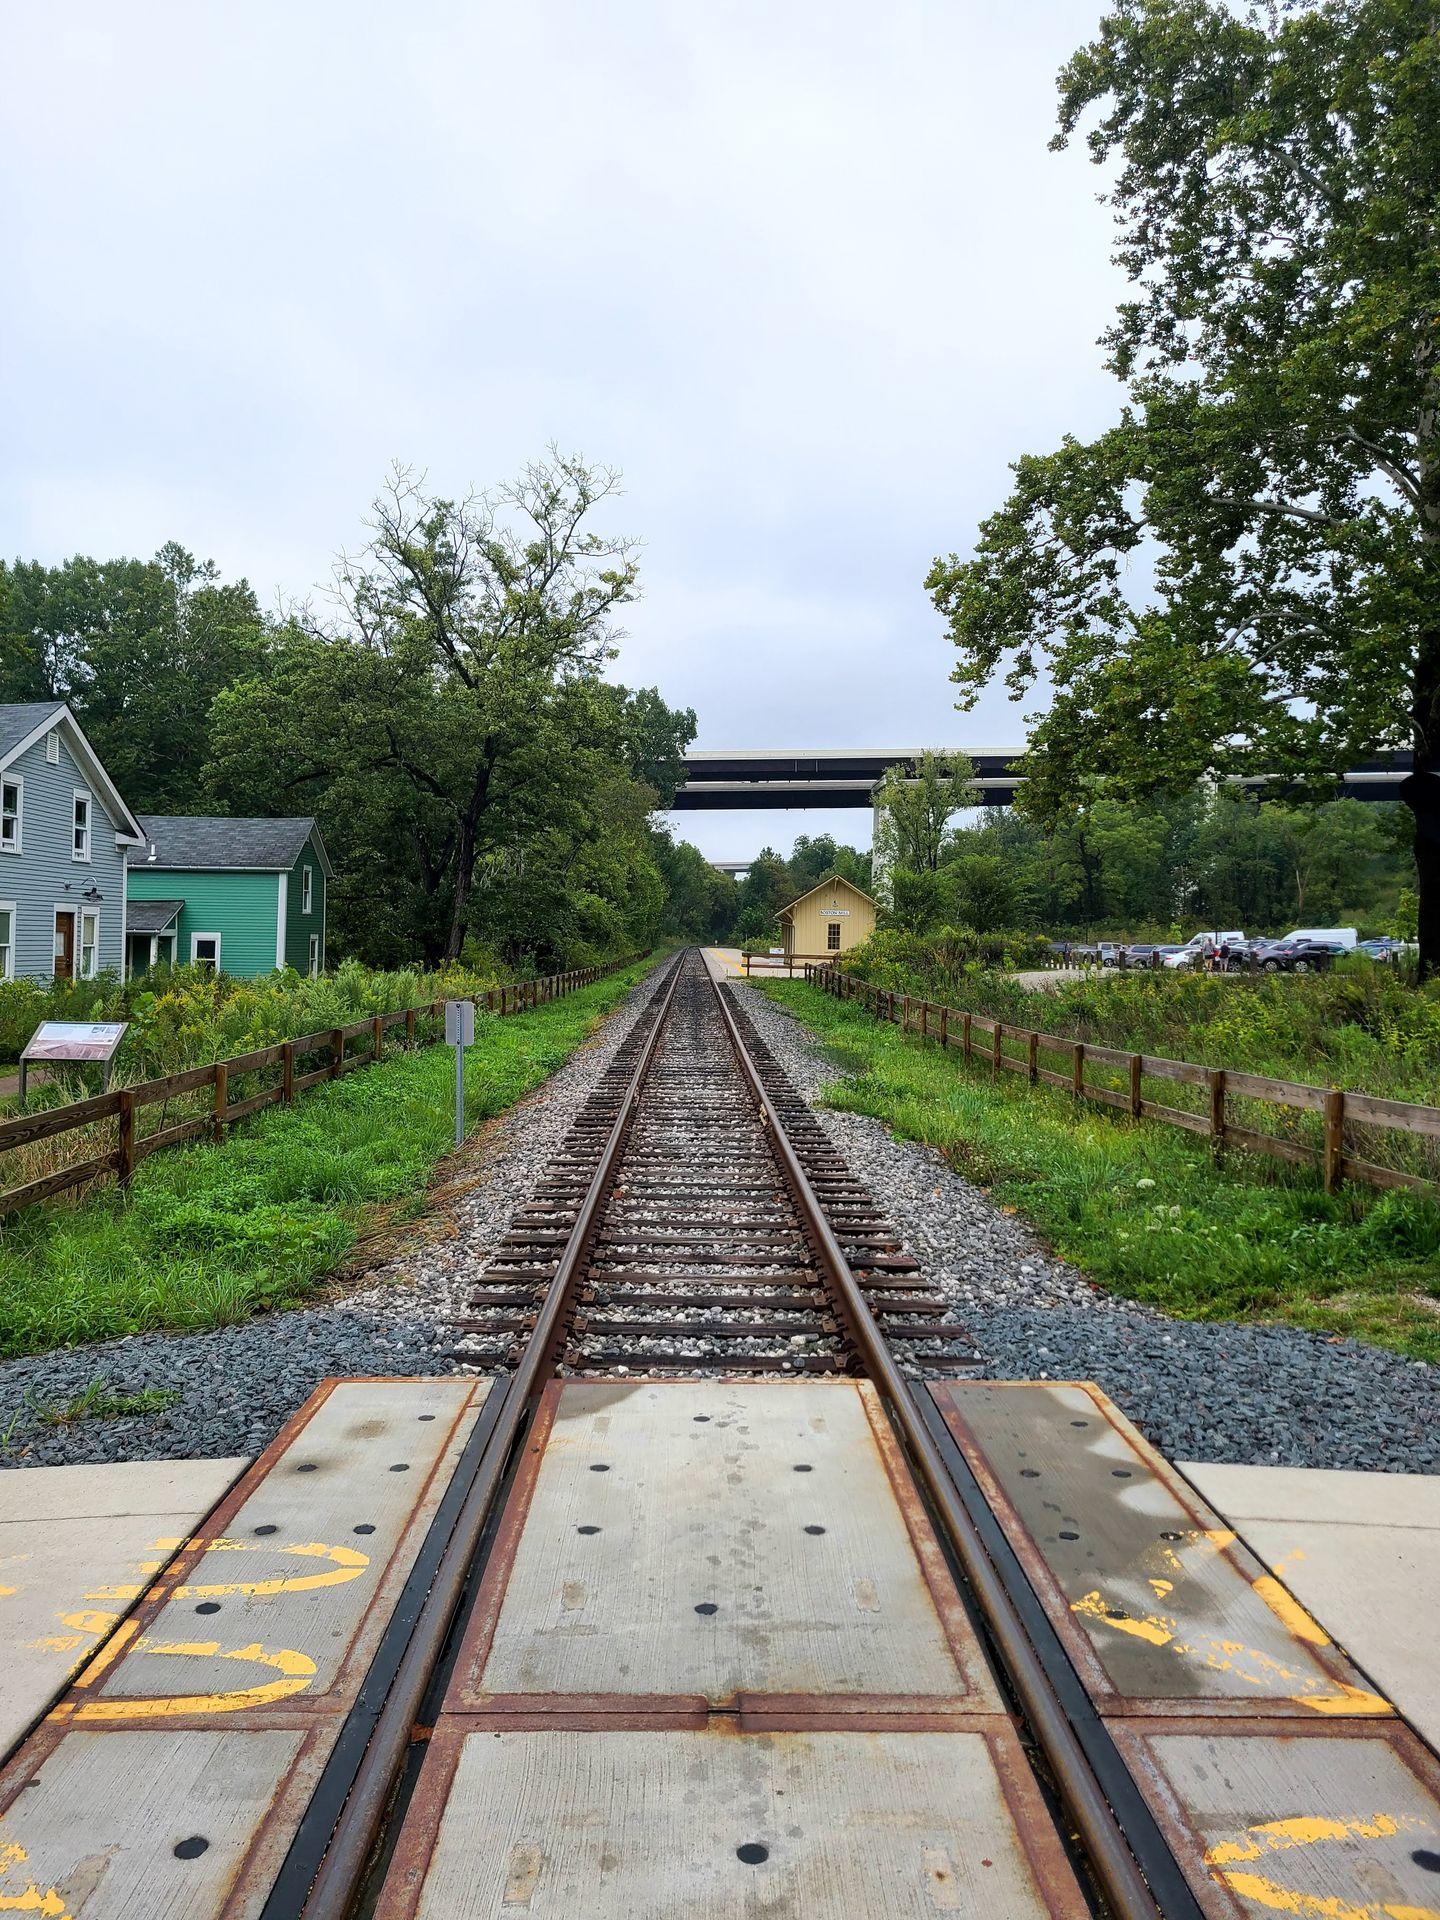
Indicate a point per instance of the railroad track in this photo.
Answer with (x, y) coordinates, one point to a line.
(906, 1682)
(697, 1255)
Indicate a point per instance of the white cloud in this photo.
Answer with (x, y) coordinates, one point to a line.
(806, 272)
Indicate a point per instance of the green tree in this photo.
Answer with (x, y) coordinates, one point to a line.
(139, 649)
(452, 729)
(913, 811)
(815, 859)
(1243, 574)
(985, 891)
(766, 888)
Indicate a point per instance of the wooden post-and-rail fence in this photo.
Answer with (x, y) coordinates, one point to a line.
(978, 1037)
(334, 1048)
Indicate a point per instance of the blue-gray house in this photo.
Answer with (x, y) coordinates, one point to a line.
(64, 834)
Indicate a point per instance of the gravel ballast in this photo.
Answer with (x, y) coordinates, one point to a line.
(1253, 1395)
(1270, 1396)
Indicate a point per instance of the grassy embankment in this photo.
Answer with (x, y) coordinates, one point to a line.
(211, 1234)
(1142, 1208)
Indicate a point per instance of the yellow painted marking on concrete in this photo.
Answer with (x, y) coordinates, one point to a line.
(1281, 1836)
(108, 1655)
(296, 1671)
(1346, 1699)
(50, 1905)
(1154, 1628)
(1278, 1836)
(1318, 1906)
(1289, 1612)
(1249, 1664)
(1161, 1587)
(348, 1564)
(5, 1592)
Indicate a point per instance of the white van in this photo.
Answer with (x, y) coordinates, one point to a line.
(1321, 936)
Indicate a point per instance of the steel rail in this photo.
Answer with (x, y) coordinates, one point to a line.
(342, 1868)
(1109, 1852)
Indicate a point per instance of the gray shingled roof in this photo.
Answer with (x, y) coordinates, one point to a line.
(17, 718)
(197, 841)
(150, 916)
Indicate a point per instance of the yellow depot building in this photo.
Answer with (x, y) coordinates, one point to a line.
(828, 920)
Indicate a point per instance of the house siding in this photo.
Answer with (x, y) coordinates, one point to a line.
(240, 907)
(837, 904)
(299, 926)
(36, 878)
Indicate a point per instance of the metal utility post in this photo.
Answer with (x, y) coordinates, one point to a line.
(460, 1033)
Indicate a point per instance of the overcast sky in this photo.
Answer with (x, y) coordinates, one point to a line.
(805, 271)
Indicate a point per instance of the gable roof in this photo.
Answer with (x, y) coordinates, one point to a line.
(24, 722)
(151, 916)
(195, 842)
(827, 885)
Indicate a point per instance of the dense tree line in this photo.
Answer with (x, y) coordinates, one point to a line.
(480, 783)
(1212, 856)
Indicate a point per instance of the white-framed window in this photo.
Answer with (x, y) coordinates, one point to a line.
(12, 812)
(205, 950)
(89, 943)
(832, 937)
(307, 889)
(52, 748)
(7, 939)
(314, 955)
(82, 825)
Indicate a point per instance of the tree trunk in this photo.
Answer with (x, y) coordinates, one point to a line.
(1427, 874)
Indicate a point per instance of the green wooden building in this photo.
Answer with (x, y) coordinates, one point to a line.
(243, 896)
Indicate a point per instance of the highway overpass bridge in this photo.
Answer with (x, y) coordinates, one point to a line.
(759, 779)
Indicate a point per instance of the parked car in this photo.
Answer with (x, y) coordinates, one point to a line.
(1108, 953)
(1382, 948)
(1344, 937)
(1300, 956)
(1201, 945)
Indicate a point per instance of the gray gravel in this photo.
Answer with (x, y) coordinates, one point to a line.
(1263, 1396)
(1266, 1395)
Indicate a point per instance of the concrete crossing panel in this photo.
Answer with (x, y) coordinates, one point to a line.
(717, 1540)
(647, 1824)
(1160, 1605)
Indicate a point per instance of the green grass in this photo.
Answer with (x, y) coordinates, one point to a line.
(1141, 1208)
(212, 1234)
(98, 1401)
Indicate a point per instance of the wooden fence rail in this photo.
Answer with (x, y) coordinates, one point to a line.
(336, 1045)
(1336, 1112)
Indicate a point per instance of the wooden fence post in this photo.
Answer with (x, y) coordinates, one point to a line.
(1032, 1056)
(127, 1137)
(410, 1026)
(287, 1073)
(1135, 1062)
(1077, 1070)
(377, 1037)
(222, 1096)
(905, 1013)
(1216, 1082)
(1334, 1137)
(924, 1019)
(944, 1028)
(967, 1043)
(997, 1034)
(337, 1052)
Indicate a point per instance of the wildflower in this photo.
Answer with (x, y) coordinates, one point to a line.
(1144, 1185)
